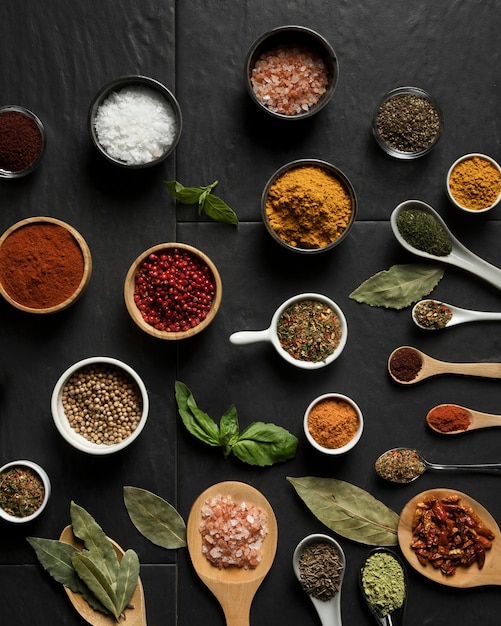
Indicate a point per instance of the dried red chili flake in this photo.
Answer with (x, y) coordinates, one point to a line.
(447, 533)
(174, 290)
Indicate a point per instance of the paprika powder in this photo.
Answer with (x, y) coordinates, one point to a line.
(449, 418)
(42, 265)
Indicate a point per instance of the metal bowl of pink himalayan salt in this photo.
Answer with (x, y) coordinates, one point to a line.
(135, 122)
(291, 72)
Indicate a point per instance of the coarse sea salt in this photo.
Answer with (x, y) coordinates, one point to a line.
(135, 125)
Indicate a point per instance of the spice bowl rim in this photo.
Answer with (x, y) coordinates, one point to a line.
(120, 83)
(399, 154)
(353, 441)
(312, 538)
(42, 474)
(87, 261)
(134, 311)
(7, 174)
(465, 157)
(386, 550)
(61, 421)
(332, 170)
(292, 33)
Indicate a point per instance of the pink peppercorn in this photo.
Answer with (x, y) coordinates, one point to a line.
(174, 290)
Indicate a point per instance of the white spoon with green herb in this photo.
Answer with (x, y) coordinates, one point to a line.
(319, 564)
(436, 315)
(453, 254)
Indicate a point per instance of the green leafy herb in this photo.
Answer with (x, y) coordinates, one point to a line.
(259, 444)
(398, 287)
(348, 510)
(155, 518)
(95, 571)
(210, 204)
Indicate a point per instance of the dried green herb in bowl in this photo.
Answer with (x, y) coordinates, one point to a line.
(24, 491)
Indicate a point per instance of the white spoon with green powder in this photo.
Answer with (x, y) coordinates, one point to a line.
(432, 234)
(383, 582)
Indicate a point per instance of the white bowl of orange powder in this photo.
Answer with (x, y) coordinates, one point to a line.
(474, 183)
(333, 423)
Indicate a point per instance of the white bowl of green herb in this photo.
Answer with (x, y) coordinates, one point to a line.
(422, 231)
(24, 491)
(308, 331)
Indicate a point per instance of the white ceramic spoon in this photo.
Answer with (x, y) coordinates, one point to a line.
(328, 611)
(459, 315)
(460, 256)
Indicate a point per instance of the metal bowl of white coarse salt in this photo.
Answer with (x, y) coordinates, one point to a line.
(135, 122)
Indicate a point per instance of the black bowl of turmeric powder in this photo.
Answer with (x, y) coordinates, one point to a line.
(309, 206)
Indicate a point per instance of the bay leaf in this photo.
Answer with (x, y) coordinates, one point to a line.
(55, 557)
(88, 530)
(399, 287)
(127, 579)
(96, 581)
(155, 518)
(348, 510)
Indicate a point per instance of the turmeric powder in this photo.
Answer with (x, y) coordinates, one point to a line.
(308, 207)
(333, 423)
(475, 183)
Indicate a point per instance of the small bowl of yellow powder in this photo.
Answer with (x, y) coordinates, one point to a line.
(308, 206)
(333, 423)
(474, 183)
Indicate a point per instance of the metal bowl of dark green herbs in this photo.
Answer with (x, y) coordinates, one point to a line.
(421, 230)
(308, 331)
(24, 491)
(291, 72)
(407, 123)
(309, 206)
(383, 582)
(135, 121)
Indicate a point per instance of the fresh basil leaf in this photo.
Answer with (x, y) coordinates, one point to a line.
(127, 579)
(265, 444)
(55, 558)
(228, 430)
(154, 518)
(88, 530)
(198, 423)
(218, 210)
(185, 195)
(96, 581)
(398, 287)
(348, 510)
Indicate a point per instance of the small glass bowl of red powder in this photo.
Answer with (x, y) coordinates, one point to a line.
(291, 72)
(22, 141)
(173, 291)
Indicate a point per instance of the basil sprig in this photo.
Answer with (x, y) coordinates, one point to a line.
(259, 444)
(210, 204)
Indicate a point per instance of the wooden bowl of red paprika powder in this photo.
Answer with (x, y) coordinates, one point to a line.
(45, 265)
(173, 291)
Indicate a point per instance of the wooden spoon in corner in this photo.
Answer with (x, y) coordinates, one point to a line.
(135, 616)
(234, 587)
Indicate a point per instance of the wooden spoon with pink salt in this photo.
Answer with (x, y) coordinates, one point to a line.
(233, 586)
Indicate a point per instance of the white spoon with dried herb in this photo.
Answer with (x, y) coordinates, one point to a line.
(421, 230)
(233, 586)
(319, 564)
(436, 315)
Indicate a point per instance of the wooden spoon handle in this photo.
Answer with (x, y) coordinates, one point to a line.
(485, 370)
(237, 614)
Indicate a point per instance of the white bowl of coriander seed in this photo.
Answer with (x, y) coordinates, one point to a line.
(100, 405)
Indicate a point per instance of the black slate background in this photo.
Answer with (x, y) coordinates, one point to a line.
(56, 55)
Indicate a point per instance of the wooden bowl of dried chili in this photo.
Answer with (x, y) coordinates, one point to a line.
(45, 265)
(173, 291)
(24, 491)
